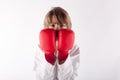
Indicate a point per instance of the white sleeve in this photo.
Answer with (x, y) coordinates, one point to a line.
(68, 70)
(43, 69)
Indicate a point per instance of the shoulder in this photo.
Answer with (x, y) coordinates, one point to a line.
(75, 50)
(39, 52)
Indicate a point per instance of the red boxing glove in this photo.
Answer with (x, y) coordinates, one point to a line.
(65, 43)
(47, 38)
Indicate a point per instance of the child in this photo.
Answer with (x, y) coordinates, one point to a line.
(57, 56)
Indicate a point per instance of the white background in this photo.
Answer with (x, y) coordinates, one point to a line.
(95, 22)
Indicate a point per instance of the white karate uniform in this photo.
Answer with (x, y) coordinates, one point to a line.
(66, 71)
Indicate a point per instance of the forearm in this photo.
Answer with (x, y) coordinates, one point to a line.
(42, 67)
(69, 69)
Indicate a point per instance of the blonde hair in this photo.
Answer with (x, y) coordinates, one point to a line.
(57, 15)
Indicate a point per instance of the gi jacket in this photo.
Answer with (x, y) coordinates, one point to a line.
(66, 71)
